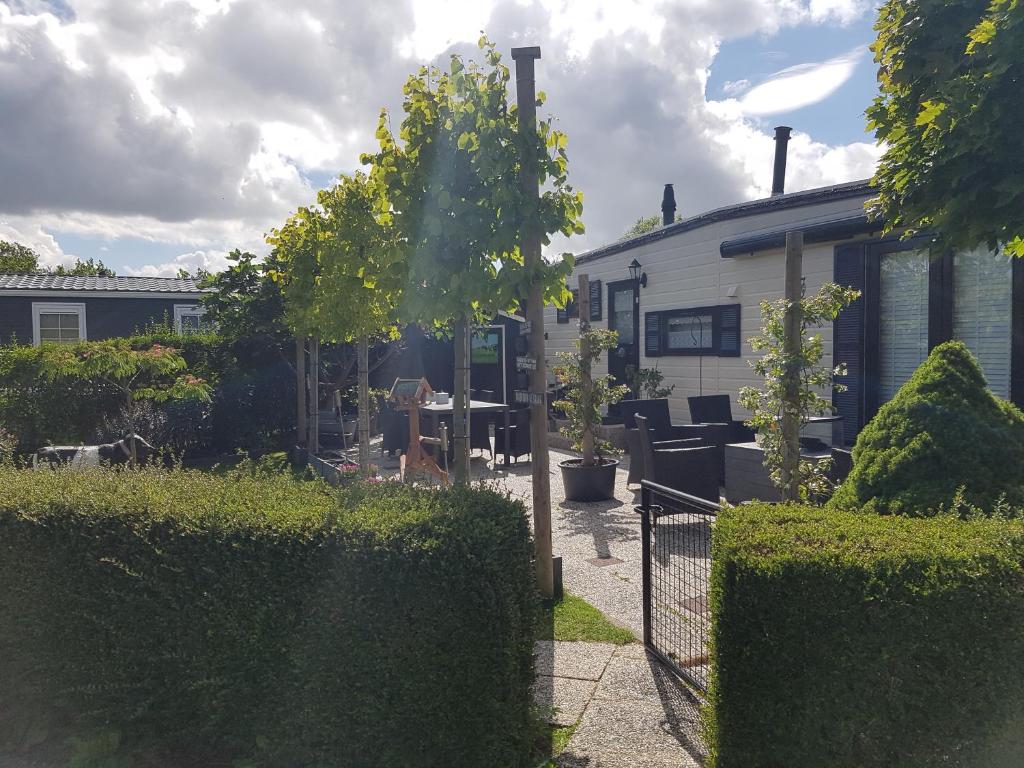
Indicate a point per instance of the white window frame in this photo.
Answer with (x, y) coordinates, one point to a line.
(181, 310)
(55, 308)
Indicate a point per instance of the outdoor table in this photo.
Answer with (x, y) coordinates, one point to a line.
(435, 412)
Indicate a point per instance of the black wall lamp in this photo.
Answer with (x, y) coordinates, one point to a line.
(636, 274)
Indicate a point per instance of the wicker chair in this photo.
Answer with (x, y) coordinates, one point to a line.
(519, 434)
(689, 469)
(716, 409)
(659, 421)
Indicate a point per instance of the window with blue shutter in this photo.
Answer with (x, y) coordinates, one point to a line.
(713, 330)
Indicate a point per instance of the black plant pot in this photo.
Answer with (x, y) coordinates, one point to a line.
(596, 483)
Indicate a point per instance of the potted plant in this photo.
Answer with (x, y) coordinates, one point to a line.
(592, 477)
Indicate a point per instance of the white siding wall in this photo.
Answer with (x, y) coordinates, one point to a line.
(686, 270)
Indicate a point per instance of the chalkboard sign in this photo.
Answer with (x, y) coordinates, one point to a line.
(652, 334)
(595, 300)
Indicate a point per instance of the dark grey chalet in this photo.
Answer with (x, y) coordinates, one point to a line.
(37, 308)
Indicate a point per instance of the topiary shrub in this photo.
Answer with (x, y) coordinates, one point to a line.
(942, 431)
(185, 618)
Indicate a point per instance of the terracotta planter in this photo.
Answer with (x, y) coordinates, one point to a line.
(596, 483)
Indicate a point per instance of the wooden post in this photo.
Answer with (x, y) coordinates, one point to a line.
(300, 393)
(791, 384)
(587, 375)
(460, 402)
(364, 406)
(526, 97)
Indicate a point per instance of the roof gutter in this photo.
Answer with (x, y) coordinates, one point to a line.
(839, 229)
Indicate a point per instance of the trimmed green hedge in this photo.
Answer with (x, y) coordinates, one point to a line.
(255, 616)
(942, 431)
(844, 639)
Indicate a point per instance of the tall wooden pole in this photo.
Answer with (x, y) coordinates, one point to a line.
(791, 383)
(526, 97)
(314, 396)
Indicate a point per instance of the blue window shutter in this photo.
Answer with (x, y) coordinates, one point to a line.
(595, 300)
(729, 340)
(652, 334)
(848, 340)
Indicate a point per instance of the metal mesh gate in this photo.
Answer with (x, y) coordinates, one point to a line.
(676, 533)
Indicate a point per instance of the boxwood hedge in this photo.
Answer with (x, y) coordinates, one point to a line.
(266, 620)
(843, 639)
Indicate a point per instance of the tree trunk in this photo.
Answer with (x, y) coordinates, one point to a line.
(460, 403)
(300, 392)
(792, 345)
(313, 443)
(364, 406)
(133, 456)
(585, 368)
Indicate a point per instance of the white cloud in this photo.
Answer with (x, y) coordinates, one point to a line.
(800, 86)
(196, 123)
(211, 261)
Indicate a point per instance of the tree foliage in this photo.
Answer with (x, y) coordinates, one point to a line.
(18, 259)
(950, 110)
(767, 405)
(157, 373)
(645, 224)
(341, 269)
(451, 177)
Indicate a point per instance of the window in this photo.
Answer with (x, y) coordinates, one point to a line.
(903, 318)
(983, 310)
(188, 318)
(693, 331)
(60, 323)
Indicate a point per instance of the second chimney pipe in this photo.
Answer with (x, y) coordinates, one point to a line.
(668, 206)
(781, 145)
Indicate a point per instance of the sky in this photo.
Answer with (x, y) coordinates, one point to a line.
(161, 134)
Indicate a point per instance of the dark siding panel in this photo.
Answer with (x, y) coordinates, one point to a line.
(848, 340)
(109, 317)
(104, 317)
(1017, 353)
(16, 319)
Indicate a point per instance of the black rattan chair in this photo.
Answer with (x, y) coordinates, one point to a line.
(659, 422)
(519, 434)
(716, 409)
(689, 469)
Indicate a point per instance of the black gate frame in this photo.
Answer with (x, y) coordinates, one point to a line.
(657, 503)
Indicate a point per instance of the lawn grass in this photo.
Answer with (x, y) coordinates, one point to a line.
(576, 619)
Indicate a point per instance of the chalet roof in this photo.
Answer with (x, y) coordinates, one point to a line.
(90, 283)
(735, 211)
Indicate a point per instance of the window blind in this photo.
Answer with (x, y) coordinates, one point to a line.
(982, 308)
(903, 318)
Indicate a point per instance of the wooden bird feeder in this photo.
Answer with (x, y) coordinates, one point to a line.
(408, 395)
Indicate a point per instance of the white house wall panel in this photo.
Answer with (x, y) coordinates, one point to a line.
(687, 270)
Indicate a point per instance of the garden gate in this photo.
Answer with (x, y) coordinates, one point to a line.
(676, 547)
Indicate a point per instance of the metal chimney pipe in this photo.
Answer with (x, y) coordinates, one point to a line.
(668, 206)
(781, 145)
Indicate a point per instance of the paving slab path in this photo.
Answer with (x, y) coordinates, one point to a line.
(629, 710)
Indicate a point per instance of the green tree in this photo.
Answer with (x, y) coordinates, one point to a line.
(343, 274)
(452, 185)
(87, 268)
(949, 111)
(156, 373)
(768, 405)
(645, 224)
(17, 259)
